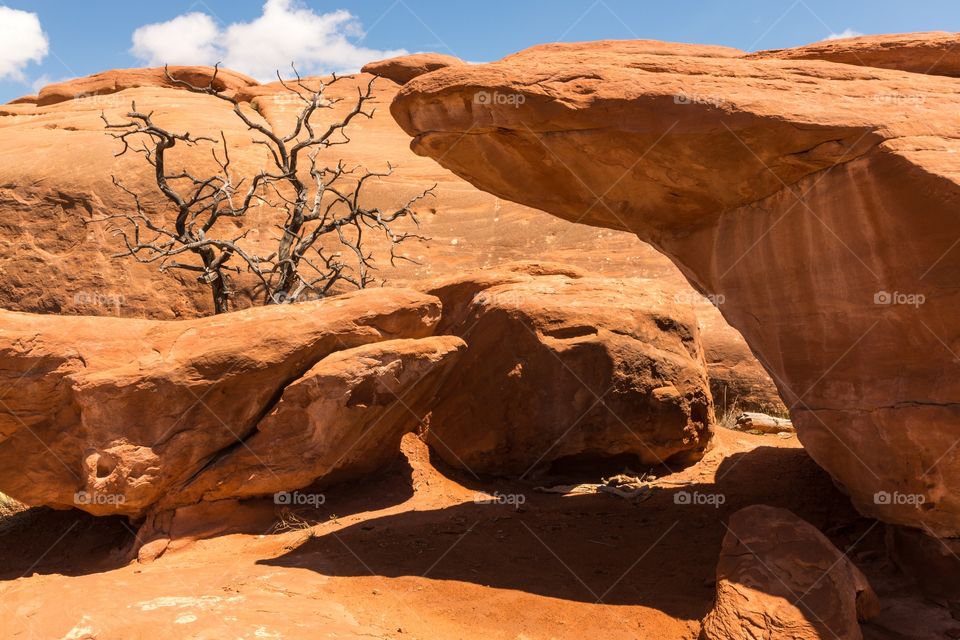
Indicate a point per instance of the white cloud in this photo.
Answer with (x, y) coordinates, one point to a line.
(187, 39)
(22, 41)
(846, 33)
(286, 32)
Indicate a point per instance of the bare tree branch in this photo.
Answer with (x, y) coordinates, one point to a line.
(313, 202)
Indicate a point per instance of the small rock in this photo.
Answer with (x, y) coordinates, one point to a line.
(778, 577)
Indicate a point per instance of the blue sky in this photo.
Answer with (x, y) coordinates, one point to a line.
(75, 38)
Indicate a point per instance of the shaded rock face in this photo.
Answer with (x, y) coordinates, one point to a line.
(778, 577)
(118, 416)
(738, 382)
(791, 189)
(560, 364)
(403, 69)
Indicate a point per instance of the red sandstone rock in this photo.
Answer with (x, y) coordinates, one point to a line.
(118, 80)
(560, 366)
(790, 188)
(933, 53)
(403, 69)
(778, 577)
(342, 420)
(120, 416)
(55, 168)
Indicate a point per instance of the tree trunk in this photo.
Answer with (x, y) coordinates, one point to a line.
(220, 297)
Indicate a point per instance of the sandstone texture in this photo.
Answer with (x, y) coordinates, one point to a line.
(403, 69)
(779, 577)
(123, 416)
(931, 53)
(816, 200)
(560, 364)
(110, 82)
(342, 420)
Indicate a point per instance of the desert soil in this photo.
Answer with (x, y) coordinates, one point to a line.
(412, 555)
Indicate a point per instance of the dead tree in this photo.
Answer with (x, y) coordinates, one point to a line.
(312, 201)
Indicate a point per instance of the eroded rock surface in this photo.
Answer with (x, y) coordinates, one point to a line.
(793, 189)
(342, 420)
(562, 364)
(118, 416)
(110, 82)
(933, 53)
(779, 577)
(403, 69)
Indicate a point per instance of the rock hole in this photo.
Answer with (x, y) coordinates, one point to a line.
(105, 465)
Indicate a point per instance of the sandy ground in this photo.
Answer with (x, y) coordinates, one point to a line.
(413, 555)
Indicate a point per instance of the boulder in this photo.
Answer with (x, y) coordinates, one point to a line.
(342, 420)
(403, 69)
(559, 364)
(933, 53)
(779, 577)
(109, 82)
(788, 188)
(122, 416)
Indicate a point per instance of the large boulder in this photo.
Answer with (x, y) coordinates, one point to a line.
(120, 416)
(560, 364)
(342, 420)
(779, 577)
(791, 189)
(403, 69)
